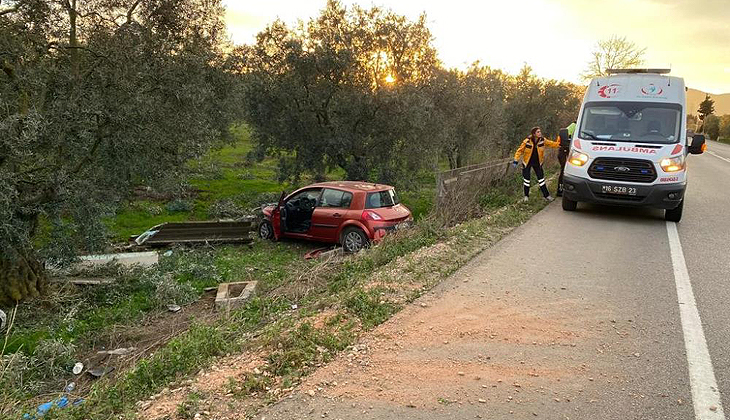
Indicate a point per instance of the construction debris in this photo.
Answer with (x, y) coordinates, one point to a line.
(233, 295)
(228, 231)
(118, 352)
(84, 281)
(78, 367)
(100, 371)
(145, 259)
(324, 253)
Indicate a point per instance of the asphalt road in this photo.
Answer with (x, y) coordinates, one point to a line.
(573, 316)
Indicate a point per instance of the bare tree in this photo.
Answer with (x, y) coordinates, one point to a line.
(613, 53)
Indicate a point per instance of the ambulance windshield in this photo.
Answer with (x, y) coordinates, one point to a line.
(644, 122)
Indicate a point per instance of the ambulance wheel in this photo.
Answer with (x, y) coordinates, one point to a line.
(675, 214)
(568, 204)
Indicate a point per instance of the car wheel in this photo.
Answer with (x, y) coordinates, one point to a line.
(266, 230)
(354, 239)
(568, 204)
(675, 214)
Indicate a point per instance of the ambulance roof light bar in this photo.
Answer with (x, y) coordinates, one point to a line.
(634, 71)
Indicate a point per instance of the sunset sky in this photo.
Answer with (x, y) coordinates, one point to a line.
(555, 37)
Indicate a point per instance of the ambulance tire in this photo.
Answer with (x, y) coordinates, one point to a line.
(675, 214)
(568, 204)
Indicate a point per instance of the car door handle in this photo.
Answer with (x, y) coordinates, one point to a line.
(336, 215)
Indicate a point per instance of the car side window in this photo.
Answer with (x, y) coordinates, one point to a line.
(335, 198)
(306, 197)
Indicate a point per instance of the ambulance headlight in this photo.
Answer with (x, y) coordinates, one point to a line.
(578, 158)
(674, 164)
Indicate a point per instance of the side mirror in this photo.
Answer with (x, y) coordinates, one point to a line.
(564, 137)
(698, 145)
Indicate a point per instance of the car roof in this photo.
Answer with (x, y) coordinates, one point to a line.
(353, 186)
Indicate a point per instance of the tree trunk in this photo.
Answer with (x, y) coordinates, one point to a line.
(21, 277)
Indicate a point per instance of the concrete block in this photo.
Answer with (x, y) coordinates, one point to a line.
(233, 295)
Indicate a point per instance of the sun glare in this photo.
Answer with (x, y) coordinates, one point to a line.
(389, 79)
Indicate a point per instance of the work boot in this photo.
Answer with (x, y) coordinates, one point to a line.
(549, 199)
(525, 199)
(559, 193)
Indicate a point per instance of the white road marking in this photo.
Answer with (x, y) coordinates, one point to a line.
(705, 395)
(718, 156)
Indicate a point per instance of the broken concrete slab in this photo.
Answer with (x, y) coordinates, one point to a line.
(84, 281)
(233, 295)
(127, 259)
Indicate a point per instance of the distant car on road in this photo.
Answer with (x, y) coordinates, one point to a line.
(351, 213)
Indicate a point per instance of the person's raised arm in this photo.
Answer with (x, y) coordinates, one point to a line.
(520, 150)
(552, 143)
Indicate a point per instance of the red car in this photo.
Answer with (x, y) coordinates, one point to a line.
(351, 213)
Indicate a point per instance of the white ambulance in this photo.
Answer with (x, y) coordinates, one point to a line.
(630, 144)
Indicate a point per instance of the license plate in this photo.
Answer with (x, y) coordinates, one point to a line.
(618, 189)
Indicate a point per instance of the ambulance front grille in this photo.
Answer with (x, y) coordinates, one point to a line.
(621, 169)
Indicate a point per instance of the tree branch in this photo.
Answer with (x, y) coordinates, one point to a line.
(11, 9)
(131, 10)
(92, 152)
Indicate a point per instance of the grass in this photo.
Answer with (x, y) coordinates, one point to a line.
(93, 317)
(369, 306)
(227, 174)
(188, 408)
(298, 341)
(724, 140)
(223, 174)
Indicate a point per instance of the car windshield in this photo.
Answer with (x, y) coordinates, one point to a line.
(376, 200)
(631, 121)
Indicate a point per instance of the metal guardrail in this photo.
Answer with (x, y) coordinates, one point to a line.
(458, 190)
(197, 232)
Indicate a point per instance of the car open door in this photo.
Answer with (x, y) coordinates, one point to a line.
(278, 217)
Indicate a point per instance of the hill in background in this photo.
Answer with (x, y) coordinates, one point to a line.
(694, 97)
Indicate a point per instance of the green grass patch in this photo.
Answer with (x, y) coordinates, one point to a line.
(190, 407)
(296, 346)
(305, 346)
(226, 173)
(229, 177)
(370, 307)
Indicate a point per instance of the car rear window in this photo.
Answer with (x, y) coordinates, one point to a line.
(376, 200)
(335, 198)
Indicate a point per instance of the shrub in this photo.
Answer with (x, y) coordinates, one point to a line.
(178, 206)
(246, 175)
(169, 291)
(225, 209)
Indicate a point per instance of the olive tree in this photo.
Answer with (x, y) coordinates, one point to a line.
(344, 90)
(97, 96)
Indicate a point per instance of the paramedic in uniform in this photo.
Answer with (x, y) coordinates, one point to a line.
(563, 156)
(532, 152)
